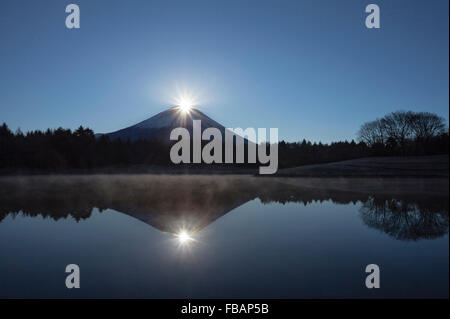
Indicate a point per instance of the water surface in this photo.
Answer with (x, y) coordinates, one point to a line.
(243, 237)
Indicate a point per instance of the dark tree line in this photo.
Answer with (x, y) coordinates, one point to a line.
(398, 133)
(305, 152)
(406, 133)
(65, 149)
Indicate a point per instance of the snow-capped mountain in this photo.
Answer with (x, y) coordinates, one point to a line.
(159, 126)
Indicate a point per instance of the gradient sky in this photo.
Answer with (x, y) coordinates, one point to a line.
(310, 68)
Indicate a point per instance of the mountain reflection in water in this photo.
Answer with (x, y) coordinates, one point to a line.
(171, 203)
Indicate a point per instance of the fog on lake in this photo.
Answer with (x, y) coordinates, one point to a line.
(184, 236)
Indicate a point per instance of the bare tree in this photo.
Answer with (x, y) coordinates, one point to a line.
(426, 125)
(372, 133)
(396, 131)
(398, 126)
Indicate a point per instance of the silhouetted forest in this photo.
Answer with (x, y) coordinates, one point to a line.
(406, 133)
(65, 149)
(398, 133)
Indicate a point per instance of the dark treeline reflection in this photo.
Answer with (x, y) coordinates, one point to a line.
(406, 220)
(193, 202)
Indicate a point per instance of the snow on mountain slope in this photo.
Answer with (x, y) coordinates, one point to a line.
(173, 117)
(158, 127)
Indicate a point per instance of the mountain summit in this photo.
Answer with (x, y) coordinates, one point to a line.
(158, 127)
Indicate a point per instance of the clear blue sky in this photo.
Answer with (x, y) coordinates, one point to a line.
(310, 68)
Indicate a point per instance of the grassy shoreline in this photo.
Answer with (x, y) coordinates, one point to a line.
(409, 166)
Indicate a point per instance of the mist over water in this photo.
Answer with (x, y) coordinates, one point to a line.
(172, 236)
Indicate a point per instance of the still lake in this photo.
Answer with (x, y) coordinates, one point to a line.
(156, 236)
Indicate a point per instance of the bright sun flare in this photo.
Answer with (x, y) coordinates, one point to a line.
(183, 237)
(185, 104)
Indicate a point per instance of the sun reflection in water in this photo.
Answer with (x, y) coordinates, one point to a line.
(185, 238)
